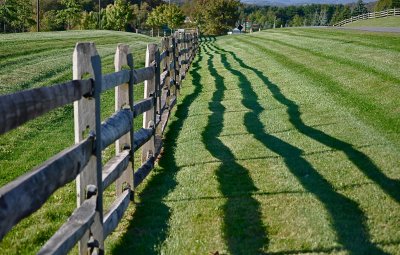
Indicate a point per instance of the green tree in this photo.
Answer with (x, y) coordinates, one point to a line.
(297, 21)
(90, 20)
(216, 17)
(51, 22)
(323, 17)
(71, 13)
(16, 15)
(174, 16)
(140, 14)
(359, 9)
(118, 15)
(346, 12)
(156, 19)
(387, 4)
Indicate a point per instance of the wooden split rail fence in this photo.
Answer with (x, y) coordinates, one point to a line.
(166, 66)
(370, 15)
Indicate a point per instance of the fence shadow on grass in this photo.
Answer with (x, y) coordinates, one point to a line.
(348, 220)
(149, 225)
(242, 228)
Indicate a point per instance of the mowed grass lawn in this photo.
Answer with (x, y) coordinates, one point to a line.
(283, 142)
(379, 22)
(32, 60)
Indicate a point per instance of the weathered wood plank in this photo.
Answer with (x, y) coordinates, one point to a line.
(26, 194)
(143, 171)
(72, 231)
(86, 118)
(163, 78)
(143, 74)
(115, 127)
(116, 212)
(113, 80)
(142, 106)
(149, 91)
(141, 137)
(115, 167)
(20, 107)
(122, 95)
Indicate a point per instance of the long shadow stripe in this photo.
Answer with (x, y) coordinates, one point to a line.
(358, 158)
(149, 226)
(243, 227)
(347, 218)
(366, 109)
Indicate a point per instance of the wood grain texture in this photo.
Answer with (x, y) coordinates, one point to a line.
(20, 107)
(115, 167)
(115, 127)
(143, 74)
(116, 79)
(25, 195)
(122, 100)
(143, 171)
(116, 212)
(84, 121)
(149, 91)
(142, 106)
(141, 137)
(71, 232)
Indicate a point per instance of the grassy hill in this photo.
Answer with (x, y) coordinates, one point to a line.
(379, 22)
(40, 59)
(283, 142)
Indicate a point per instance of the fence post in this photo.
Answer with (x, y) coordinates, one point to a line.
(173, 55)
(86, 114)
(177, 62)
(148, 148)
(121, 101)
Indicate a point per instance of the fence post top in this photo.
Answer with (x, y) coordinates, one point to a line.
(85, 48)
(122, 55)
(82, 59)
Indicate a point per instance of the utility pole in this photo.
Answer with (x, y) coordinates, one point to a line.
(99, 14)
(38, 15)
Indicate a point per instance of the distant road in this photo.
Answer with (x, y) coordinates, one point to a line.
(374, 29)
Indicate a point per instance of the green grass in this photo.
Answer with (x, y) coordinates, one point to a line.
(40, 59)
(379, 22)
(283, 142)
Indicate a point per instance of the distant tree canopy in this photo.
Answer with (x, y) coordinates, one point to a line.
(215, 17)
(302, 15)
(20, 15)
(16, 15)
(165, 15)
(359, 9)
(387, 4)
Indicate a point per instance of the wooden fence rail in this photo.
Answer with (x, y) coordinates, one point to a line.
(166, 67)
(370, 15)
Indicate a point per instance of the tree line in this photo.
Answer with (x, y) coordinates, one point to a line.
(57, 15)
(309, 15)
(212, 17)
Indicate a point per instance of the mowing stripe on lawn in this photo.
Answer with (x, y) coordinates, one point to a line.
(344, 61)
(351, 217)
(376, 117)
(366, 39)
